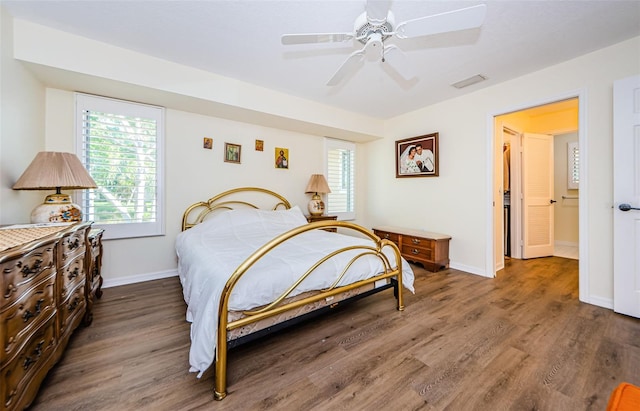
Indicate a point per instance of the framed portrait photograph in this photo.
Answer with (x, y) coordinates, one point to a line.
(259, 145)
(232, 153)
(417, 156)
(282, 157)
(207, 143)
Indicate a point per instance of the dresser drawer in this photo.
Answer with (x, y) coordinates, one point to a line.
(418, 253)
(21, 319)
(20, 273)
(71, 311)
(72, 275)
(388, 236)
(24, 367)
(73, 245)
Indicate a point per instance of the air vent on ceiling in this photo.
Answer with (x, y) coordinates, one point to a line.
(469, 81)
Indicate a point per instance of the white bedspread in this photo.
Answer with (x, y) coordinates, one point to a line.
(209, 253)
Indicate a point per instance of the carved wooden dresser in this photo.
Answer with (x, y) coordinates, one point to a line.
(44, 277)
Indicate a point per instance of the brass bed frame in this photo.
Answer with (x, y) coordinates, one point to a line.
(234, 328)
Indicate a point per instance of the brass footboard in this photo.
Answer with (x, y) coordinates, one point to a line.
(282, 304)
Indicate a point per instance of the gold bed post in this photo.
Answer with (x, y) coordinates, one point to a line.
(220, 386)
(396, 251)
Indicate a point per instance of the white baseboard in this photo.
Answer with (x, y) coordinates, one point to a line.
(600, 302)
(468, 269)
(114, 282)
(565, 244)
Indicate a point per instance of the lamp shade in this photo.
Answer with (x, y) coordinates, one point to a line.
(317, 184)
(53, 170)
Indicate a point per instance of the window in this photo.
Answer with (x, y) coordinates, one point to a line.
(573, 162)
(121, 144)
(340, 158)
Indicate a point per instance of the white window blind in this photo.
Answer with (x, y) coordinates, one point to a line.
(340, 171)
(121, 145)
(573, 162)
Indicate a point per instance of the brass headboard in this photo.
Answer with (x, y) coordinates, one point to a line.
(228, 200)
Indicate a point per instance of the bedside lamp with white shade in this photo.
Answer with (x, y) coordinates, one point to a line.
(51, 170)
(317, 185)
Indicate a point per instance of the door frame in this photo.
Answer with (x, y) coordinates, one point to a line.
(583, 211)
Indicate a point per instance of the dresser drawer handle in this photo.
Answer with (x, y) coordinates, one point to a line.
(415, 241)
(415, 251)
(27, 271)
(386, 236)
(74, 304)
(73, 274)
(37, 352)
(29, 315)
(74, 244)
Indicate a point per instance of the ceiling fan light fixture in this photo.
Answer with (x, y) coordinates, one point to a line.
(469, 81)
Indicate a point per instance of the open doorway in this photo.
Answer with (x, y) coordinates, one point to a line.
(536, 178)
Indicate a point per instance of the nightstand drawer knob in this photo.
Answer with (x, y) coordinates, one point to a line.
(415, 251)
(415, 241)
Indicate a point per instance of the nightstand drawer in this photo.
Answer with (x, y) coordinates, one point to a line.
(314, 218)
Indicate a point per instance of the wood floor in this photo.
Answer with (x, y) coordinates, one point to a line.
(521, 341)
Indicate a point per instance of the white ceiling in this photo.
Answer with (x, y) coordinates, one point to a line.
(241, 39)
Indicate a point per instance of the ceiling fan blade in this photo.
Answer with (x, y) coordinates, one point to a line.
(315, 38)
(350, 64)
(377, 11)
(462, 19)
(398, 61)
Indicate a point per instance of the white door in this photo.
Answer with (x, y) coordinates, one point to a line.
(537, 190)
(626, 196)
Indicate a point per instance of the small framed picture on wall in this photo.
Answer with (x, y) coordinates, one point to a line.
(232, 153)
(282, 157)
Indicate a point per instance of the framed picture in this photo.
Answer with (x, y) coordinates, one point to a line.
(282, 157)
(259, 145)
(417, 156)
(207, 143)
(232, 153)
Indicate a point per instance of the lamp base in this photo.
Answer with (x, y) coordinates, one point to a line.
(316, 205)
(57, 208)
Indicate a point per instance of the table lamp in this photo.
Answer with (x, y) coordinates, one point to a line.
(317, 185)
(53, 170)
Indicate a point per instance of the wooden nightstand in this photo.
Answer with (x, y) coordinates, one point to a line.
(313, 218)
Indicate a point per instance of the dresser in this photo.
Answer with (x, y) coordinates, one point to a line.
(418, 246)
(43, 281)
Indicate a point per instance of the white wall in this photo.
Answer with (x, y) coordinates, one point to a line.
(194, 174)
(565, 227)
(456, 203)
(21, 128)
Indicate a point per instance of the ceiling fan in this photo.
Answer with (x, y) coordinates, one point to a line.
(377, 24)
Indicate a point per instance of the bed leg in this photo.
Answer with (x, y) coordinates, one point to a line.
(220, 386)
(397, 292)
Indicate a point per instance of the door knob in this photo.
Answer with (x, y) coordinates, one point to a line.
(627, 207)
